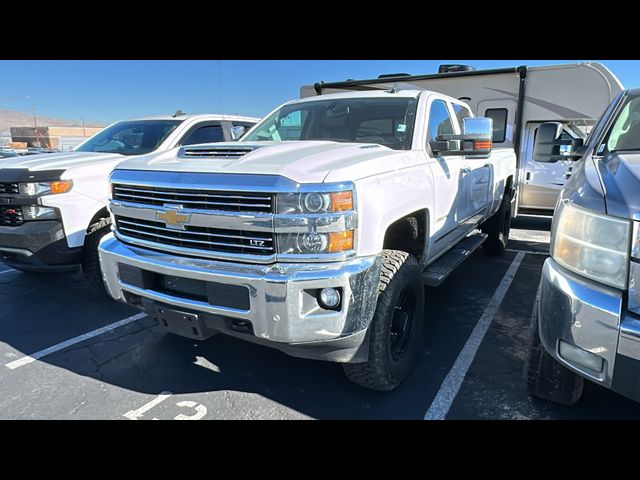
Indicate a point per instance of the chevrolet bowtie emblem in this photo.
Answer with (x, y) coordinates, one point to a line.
(172, 218)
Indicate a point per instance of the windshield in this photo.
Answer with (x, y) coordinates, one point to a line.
(386, 121)
(130, 138)
(625, 133)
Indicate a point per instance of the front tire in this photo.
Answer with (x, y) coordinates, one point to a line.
(395, 333)
(498, 228)
(544, 376)
(91, 258)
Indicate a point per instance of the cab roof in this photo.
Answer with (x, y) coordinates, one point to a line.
(202, 116)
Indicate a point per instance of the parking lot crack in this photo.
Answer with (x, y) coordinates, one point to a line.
(115, 357)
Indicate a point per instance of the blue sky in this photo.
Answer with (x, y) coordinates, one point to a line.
(105, 91)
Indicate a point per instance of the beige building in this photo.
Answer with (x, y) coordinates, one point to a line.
(52, 137)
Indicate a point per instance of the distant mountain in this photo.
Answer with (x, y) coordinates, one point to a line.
(15, 118)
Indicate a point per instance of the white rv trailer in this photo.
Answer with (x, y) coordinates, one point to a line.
(518, 99)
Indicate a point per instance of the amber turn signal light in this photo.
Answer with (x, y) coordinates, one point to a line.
(482, 144)
(62, 186)
(341, 241)
(341, 201)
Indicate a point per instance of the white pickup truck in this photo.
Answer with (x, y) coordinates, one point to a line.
(316, 233)
(53, 207)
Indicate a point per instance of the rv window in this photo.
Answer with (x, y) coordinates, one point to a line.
(439, 120)
(461, 113)
(499, 117)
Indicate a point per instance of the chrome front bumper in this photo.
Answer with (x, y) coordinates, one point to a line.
(282, 311)
(592, 317)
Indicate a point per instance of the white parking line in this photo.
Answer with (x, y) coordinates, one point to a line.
(67, 343)
(135, 414)
(452, 382)
(528, 236)
(531, 252)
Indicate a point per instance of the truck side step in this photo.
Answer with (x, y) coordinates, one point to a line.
(438, 271)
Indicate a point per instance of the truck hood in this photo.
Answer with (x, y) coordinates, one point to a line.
(301, 161)
(58, 161)
(620, 175)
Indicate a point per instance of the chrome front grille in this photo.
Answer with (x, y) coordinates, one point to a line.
(10, 188)
(195, 199)
(198, 238)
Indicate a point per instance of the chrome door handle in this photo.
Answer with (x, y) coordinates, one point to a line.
(465, 169)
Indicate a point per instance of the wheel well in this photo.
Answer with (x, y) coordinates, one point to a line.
(103, 213)
(408, 234)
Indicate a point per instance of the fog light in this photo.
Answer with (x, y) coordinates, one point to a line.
(329, 297)
(580, 357)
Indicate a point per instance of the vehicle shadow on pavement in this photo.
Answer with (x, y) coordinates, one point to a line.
(143, 358)
(39, 311)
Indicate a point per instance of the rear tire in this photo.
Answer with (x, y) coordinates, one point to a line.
(91, 259)
(395, 333)
(544, 376)
(498, 228)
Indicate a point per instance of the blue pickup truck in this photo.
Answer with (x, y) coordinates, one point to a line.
(586, 321)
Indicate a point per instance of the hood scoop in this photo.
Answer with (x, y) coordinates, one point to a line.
(211, 151)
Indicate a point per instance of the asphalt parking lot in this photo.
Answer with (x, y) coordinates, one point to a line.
(68, 354)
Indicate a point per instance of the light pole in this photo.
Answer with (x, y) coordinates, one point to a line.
(35, 126)
(84, 131)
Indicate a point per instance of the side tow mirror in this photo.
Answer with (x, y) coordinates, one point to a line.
(548, 148)
(237, 131)
(475, 141)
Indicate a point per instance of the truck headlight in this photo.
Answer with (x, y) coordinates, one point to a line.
(314, 202)
(36, 212)
(45, 188)
(310, 243)
(590, 244)
(634, 270)
(320, 219)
